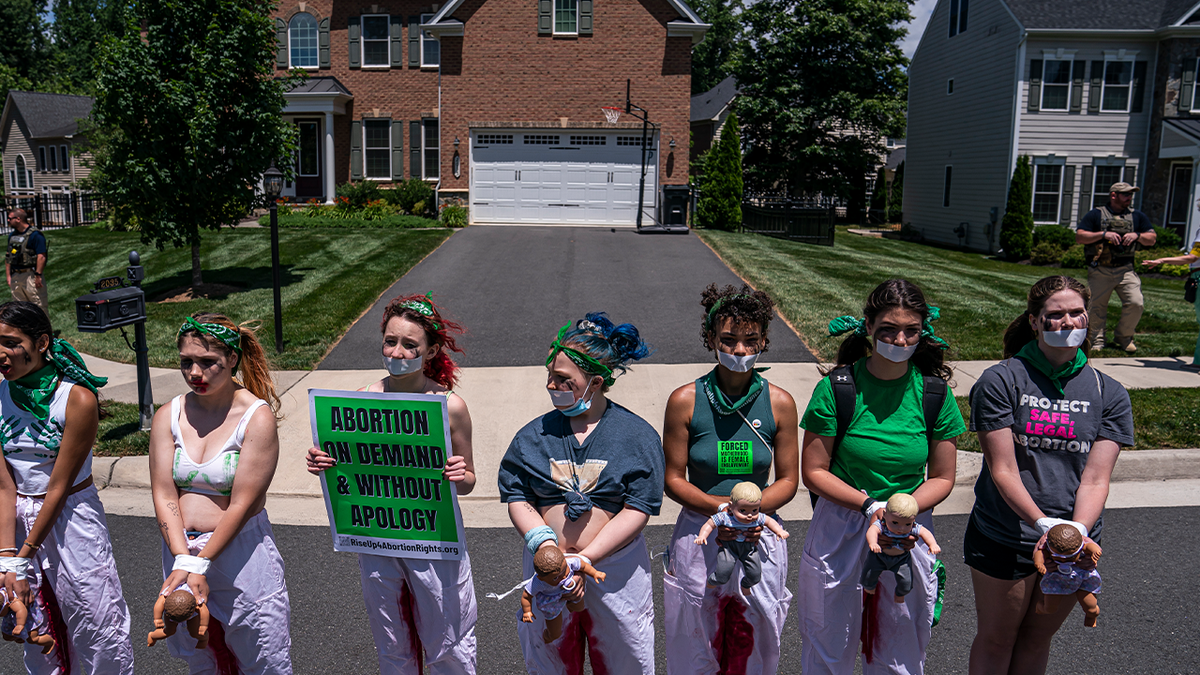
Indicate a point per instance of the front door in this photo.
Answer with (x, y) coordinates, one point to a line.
(308, 161)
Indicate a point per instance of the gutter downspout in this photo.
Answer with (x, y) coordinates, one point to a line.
(437, 202)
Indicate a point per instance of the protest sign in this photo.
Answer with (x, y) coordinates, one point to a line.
(387, 495)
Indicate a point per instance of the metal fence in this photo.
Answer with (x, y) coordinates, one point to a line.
(50, 211)
(806, 220)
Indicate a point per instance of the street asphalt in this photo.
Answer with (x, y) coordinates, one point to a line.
(1146, 621)
(513, 287)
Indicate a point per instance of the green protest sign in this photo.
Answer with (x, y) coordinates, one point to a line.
(387, 495)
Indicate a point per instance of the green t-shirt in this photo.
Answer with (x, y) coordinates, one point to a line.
(885, 450)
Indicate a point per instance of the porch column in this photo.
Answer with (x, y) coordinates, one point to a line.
(329, 163)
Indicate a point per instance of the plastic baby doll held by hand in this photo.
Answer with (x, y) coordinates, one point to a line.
(1071, 571)
(898, 522)
(554, 577)
(19, 624)
(745, 502)
(174, 609)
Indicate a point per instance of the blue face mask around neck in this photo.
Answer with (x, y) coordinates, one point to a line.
(578, 407)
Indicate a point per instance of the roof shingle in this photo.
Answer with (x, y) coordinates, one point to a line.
(51, 115)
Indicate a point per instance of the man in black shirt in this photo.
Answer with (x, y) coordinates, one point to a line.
(24, 261)
(1110, 235)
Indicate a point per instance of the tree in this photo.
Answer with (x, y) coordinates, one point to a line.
(712, 59)
(24, 46)
(79, 27)
(190, 116)
(720, 205)
(822, 84)
(1016, 230)
(895, 209)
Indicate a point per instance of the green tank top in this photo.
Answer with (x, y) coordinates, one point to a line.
(723, 451)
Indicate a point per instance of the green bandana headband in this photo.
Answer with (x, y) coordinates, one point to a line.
(712, 313)
(34, 391)
(228, 336)
(424, 307)
(847, 324)
(586, 363)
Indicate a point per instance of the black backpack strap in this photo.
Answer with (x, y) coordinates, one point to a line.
(845, 393)
(931, 402)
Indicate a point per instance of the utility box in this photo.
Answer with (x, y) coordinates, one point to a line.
(675, 201)
(111, 305)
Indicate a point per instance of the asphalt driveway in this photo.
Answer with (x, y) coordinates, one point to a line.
(513, 287)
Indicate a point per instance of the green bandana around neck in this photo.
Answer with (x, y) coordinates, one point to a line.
(587, 364)
(228, 336)
(717, 397)
(1032, 354)
(423, 306)
(33, 392)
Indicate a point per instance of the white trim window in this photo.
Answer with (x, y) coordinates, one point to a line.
(431, 49)
(303, 41)
(53, 157)
(430, 149)
(377, 149)
(1117, 85)
(1047, 190)
(1195, 102)
(958, 17)
(566, 17)
(42, 158)
(65, 159)
(22, 177)
(1056, 84)
(946, 186)
(376, 41)
(1104, 176)
(1179, 201)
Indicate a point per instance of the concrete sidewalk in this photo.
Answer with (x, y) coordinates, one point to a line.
(503, 399)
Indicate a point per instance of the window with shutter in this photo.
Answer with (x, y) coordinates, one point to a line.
(585, 17)
(1097, 77)
(1187, 82)
(1056, 84)
(377, 149)
(1116, 86)
(376, 43)
(41, 158)
(1085, 190)
(65, 159)
(397, 150)
(397, 33)
(545, 17)
(1047, 186)
(53, 157)
(414, 42)
(356, 158)
(303, 41)
(1131, 174)
(1077, 86)
(431, 166)
(566, 17)
(23, 180)
(1105, 177)
(1139, 87)
(354, 30)
(323, 42)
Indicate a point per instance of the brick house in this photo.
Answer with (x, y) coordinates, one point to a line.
(494, 102)
(37, 132)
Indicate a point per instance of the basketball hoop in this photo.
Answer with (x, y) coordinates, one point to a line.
(611, 114)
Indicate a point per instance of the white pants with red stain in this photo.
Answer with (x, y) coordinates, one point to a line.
(248, 596)
(831, 600)
(421, 611)
(719, 630)
(76, 561)
(616, 625)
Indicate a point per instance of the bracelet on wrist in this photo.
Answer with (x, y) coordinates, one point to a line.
(865, 505)
(11, 549)
(33, 546)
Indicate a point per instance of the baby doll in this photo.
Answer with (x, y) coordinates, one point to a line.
(745, 500)
(174, 609)
(554, 576)
(15, 618)
(898, 522)
(1074, 557)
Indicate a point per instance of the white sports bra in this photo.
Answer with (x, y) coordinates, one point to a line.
(214, 477)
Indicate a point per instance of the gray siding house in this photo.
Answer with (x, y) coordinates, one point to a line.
(1091, 92)
(38, 135)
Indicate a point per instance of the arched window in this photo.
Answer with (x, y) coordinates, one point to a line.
(22, 177)
(302, 40)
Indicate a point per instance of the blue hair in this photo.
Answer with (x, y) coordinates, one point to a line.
(614, 346)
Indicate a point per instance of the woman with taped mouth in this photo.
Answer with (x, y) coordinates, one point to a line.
(213, 454)
(586, 477)
(422, 612)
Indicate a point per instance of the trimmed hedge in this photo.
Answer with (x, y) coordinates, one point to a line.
(1059, 235)
(390, 221)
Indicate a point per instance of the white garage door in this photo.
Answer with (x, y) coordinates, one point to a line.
(560, 176)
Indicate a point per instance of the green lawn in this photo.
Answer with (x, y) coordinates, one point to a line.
(329, 278)
(978, 297)
(119, 435)
(1162, 418)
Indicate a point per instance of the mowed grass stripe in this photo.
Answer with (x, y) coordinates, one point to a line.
(329, 278)
(978, 296)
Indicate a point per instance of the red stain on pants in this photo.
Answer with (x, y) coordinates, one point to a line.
(734, 640)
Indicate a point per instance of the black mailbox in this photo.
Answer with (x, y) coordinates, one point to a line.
(111, 305)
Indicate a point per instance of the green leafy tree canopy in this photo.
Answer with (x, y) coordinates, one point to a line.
(188, 116)
(822, 84)
(712, 59)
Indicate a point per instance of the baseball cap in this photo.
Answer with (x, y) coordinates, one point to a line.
(1123, 187)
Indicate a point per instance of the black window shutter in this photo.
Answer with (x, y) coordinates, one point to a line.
(281, 41)
(356, 153)
(1097, 78)
(1085, 190)
(414, 42)
(397, 41)
(1131, 174)
(585, 17)
(1187, 81)
(1077, 85)
(323, 43)
(397, 150)
(545, 17)
(1139, 87)
(1068, 193)
(414, 149)
(1035, 85)
(355, 32)
(962, 16)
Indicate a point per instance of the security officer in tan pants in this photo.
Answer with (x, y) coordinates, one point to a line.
(1110, 235)
(24, 261)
